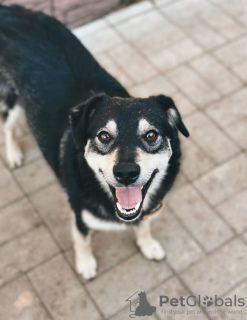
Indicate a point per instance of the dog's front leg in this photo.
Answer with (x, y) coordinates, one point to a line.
(150, 248)
(85, 261)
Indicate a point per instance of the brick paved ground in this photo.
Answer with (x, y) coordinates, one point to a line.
(195, 51)
(72, 12)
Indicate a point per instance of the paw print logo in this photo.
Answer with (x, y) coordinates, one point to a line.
(208, 301)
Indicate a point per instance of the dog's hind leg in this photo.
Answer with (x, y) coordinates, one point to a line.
(150, 248)
(11, 113)
(14, 153)
(85, 261)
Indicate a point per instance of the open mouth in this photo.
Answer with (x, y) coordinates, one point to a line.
(129, 200)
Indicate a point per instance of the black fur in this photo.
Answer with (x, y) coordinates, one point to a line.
(49, 71)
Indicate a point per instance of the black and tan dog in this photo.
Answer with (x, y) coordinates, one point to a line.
(116, 156)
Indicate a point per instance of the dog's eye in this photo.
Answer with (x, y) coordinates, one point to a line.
(151, 135)
(104, 136)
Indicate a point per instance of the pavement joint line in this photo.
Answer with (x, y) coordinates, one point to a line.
(210, 51)
(241, 149)
(16, 237)
(214, 208)
(27, 195)
(28, 270)
(87, 291)
(12, 202)
(187, 36)
(178, 276)
(181, 223)
(39, 297)
(227, 13)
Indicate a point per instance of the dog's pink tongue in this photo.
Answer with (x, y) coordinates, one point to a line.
(128, 197)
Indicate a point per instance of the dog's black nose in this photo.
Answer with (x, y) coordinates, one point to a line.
(126, 172)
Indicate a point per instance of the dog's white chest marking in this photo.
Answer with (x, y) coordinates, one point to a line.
(99, 224)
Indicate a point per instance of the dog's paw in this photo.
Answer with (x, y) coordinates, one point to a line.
(14, 156)
(86, 266)
(153, 250)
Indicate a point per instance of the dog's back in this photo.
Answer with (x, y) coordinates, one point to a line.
(53, 72)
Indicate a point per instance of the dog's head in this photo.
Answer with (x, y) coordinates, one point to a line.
(126, 142)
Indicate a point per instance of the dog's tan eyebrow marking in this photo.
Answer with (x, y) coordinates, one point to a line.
(111, 126)
(143, 126)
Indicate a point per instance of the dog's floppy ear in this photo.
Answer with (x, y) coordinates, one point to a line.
(173, 114)
(79, 117)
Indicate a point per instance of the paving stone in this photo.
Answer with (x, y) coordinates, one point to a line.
(158, 39)
(210, 276)
(20, 302)
(194, 161)
(90, 28)
(138, 68)
(163, 2)
(234, 211)
(181, 249)
(9, 190)
(199, 91)
(241, 70)
(62, 292)
(172, 288)
(223, 181)
(28, 146)
(184, 105)
(82, 12)
(16, 219)
(211, 140)
(180, 181)
(140, 24)
(154, 86)
(102, 40)
(209, 230)
(186, 9)
(233, 53)
(56, 212)
(35, 175)
(235, 9)
(245, 237)
(129, 12)
(110, 248)
(25, 252)
(130, 276)
(107, 63)
(195, 27)
(219, 77)
(229, 110)
(178, 53)
(222, 23)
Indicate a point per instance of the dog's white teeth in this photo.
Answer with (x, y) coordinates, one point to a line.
(137, 206)
(119, 206)
(125, 211)
(141, 187)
